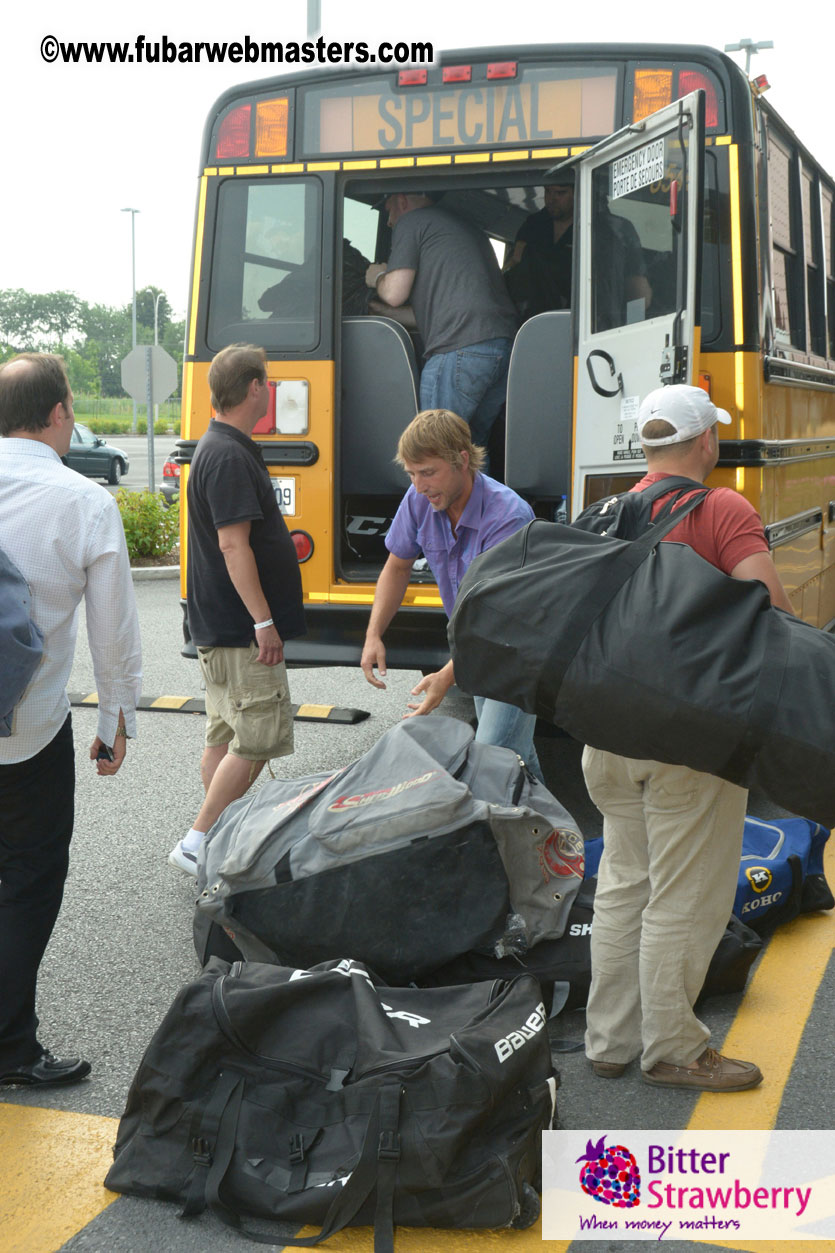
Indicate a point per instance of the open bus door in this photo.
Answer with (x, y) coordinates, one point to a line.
(639, 209)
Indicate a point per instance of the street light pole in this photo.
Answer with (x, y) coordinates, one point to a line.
(133, 213)
(749, 47)
(156, 342)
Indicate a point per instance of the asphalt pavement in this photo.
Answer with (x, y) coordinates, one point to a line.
(122, 948)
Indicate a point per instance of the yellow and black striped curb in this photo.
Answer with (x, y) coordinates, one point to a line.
(197, 705)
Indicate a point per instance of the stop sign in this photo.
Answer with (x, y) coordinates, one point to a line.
(136, 366)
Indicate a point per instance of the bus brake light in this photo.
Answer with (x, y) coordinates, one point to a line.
(653, 89)
(501, 69)
(233, 136)
(271, 127)
(303, 545)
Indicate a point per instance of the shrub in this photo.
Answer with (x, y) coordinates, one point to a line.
(121, 426)
(151, 530)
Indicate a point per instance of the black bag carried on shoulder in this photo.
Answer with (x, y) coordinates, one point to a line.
(629, 514)
(318, 1096)
(647, 650)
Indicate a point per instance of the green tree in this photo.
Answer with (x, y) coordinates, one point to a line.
(145, 300)
(34, 321)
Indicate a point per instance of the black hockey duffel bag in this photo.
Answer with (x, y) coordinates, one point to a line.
(427, 846)
(315, 1096)
(647, 650)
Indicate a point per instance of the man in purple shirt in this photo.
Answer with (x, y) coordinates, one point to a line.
(451, 513)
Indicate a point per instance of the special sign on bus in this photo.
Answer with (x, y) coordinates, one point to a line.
(638, 169)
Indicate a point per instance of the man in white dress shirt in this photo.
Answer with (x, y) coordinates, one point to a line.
(65, 535)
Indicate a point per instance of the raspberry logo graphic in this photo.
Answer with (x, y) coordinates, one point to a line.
(610, 1175)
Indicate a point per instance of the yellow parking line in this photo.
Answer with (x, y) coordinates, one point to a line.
(768, 1029)
(770, 1022)
(429, 1240)
(51, 1169)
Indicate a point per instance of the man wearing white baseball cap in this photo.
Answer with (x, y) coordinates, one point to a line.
(672, 836)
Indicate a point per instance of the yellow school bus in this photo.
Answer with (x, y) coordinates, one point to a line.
(733, 218)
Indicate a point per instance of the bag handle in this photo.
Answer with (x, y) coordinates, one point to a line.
(377, 1166)
(633, 554)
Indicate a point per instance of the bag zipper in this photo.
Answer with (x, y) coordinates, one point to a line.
(225, 1023)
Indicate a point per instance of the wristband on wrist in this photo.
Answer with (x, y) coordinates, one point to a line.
(259, 626)
(122, 731)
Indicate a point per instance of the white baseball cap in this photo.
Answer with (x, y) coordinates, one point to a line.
(689, 409)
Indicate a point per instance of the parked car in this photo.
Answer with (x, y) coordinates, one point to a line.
(91, 455)
(170, 480)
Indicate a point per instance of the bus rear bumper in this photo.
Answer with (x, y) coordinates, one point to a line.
(416, 639)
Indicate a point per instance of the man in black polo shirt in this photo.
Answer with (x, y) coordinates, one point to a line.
(244, 593)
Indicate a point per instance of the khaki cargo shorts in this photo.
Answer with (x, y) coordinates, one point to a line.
(247, 704)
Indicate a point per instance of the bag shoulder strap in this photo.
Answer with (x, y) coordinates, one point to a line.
(634, 553)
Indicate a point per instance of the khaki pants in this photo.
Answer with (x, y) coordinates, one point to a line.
(666, 886)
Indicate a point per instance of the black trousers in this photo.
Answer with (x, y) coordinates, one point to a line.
(36, 822)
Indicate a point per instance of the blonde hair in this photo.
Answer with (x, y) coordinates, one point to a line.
(439, 433)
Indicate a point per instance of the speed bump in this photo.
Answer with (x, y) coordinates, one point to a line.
(197, 705)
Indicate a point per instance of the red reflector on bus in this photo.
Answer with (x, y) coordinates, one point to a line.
(457, 74)
(303, 545)
(501, 69)
(692, 80)
(412, 78)
(233, 136)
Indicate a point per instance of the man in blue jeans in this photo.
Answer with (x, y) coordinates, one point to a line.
(447, 270)
(451, 513)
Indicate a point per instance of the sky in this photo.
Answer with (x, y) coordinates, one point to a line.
(82, 142)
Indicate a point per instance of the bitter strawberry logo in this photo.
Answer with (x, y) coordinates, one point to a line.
(610, 1175)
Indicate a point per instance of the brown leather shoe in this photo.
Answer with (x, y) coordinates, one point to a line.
(710, 1073)
(609, 1070)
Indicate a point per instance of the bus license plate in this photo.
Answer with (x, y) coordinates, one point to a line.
(285, 493)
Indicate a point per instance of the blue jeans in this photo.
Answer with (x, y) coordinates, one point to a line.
(471, 382)
(508, 727)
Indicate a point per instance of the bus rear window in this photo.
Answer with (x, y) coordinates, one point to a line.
(266, 267)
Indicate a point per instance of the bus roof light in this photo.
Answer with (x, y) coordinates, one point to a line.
(501, 69)
(412, 78)
(233, 136)
(761, 84)
(693, 80)
(653, 89)
(457, 74)
(271, 127)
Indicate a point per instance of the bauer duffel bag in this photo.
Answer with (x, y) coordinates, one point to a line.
(647, 650)
(315, 1096)
(427, 846)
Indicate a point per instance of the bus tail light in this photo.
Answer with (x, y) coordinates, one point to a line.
(303, 545)
(653, 89)
(271, 127)
(501, 69)
(233, 136)
(692, 80)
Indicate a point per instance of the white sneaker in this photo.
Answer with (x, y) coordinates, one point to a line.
(183, 859)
